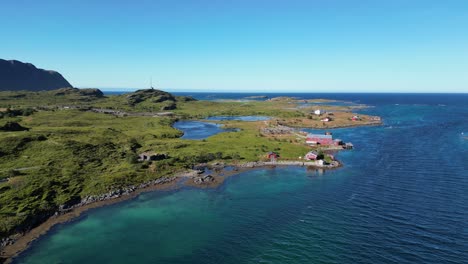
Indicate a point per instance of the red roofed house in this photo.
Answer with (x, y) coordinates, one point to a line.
(311, 155)
(273, 156)
(317, 139)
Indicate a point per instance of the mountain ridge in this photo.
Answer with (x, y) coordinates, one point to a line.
(16, 75)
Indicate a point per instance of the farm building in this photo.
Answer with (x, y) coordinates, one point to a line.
(317, 139)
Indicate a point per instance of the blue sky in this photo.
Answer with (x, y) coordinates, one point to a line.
(244, 45)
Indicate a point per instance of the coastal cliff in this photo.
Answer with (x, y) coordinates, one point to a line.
(16, 75)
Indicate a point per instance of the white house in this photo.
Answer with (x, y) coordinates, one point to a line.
(318, 112)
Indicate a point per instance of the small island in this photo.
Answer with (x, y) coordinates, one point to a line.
(67, 150)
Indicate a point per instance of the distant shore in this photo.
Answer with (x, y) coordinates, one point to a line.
(216, 172)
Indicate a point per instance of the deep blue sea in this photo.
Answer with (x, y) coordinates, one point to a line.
(401, 197)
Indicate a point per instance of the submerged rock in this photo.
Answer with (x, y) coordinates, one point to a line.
(203, 179)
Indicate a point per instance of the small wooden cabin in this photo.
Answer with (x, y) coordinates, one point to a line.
(311, 155)
(272, 156)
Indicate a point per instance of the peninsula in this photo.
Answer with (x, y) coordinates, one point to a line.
(63, 151)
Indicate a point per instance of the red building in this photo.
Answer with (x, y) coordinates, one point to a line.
(316, 139)
(273, 156)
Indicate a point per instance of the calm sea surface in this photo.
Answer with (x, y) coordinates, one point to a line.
(402, 197)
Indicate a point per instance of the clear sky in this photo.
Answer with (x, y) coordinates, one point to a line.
(244, 45)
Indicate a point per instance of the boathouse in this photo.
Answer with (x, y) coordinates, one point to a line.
(317, 139)
(348, 146)
(338, 142)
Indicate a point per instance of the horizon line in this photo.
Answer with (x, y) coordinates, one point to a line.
(108, 89)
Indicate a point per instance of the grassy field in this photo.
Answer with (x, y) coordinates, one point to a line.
(69, 153)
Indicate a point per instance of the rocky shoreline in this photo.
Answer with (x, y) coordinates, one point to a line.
(333, 126)
(11, 246)
(316, 164)
(113, 194)
(203, 175)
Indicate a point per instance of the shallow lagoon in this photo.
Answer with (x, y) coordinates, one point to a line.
(239, 118)
(199, 130)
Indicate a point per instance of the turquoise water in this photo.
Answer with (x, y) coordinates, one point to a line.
(401, 197)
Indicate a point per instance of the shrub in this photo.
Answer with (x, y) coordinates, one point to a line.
(132, 159)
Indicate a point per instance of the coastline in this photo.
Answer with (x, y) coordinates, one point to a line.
(218, 172)
(328, 126)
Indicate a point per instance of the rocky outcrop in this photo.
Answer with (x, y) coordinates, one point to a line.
(16, 76)
(185, 99)
(88, 92)
(277, 130)
(117, 193)
(154, 95)
(170, 106)
(6, 242)
(203, 179)
(13, 126)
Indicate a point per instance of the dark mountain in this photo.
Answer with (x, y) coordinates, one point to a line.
(16, 75)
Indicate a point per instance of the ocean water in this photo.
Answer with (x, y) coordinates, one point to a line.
(401, 197)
